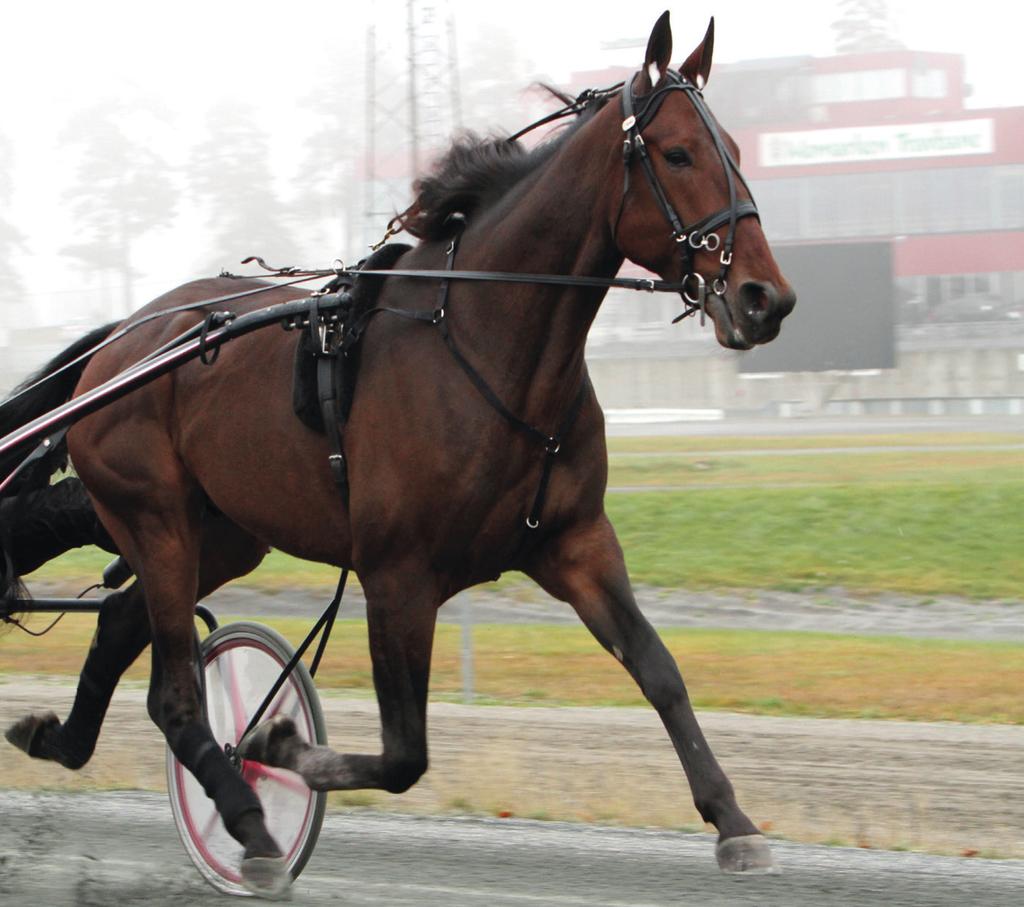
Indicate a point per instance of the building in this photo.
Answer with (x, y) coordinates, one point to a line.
(881, 148)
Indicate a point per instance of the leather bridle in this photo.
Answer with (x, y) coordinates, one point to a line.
(637, 115)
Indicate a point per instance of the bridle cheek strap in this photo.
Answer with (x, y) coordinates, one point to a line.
(702, 234)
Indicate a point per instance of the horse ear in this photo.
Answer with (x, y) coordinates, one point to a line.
(659, 52)
(697, 67)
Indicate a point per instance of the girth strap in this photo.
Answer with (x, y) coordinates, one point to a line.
(324, 336)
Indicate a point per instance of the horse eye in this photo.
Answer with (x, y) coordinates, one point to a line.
(678, 157)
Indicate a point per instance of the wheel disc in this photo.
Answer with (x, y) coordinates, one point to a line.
(241, 662)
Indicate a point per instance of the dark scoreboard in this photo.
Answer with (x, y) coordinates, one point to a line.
(843, 320)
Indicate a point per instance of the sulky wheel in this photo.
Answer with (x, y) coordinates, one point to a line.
(242, 662)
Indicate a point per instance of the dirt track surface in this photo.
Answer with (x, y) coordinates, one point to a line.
(945, 788)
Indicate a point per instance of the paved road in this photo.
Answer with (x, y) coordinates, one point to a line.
(121, 849)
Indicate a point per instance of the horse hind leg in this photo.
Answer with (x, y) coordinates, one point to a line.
(122, 632)
(585, 568)
(40, 525)
(401, 632)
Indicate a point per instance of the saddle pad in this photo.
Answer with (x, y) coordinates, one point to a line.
(305, 399)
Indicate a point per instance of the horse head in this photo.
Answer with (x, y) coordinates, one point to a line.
(685, 211)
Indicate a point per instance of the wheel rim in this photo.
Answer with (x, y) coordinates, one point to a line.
(239, 670)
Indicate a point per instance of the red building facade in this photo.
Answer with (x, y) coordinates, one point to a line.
(882, 147)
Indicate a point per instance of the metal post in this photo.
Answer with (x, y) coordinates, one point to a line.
(414, 151)
(466, 619)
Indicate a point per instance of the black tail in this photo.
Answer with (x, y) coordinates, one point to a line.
(36, 396)
(33, 398)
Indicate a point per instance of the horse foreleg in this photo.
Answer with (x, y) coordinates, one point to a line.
(401, 634)
(164, 546)
(585, 568)
(122, 633)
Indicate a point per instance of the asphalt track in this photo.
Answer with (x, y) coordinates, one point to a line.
(121, 849)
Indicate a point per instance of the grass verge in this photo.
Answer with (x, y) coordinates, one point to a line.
(802, 674)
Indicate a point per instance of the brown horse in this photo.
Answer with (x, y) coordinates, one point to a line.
(195, 475)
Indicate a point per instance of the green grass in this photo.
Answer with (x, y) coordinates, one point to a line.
(862, 467)
(805, 674)
(940, 539)
(933, 521)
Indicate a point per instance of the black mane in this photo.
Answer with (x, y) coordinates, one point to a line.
(475, 172)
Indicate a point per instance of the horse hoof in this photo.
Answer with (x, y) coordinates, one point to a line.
(25, 732)
(267, 742)
(267, 877)
(747, 854)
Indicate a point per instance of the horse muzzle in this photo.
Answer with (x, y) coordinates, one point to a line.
(751, 316)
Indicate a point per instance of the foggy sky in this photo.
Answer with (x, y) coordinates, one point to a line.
(179, 61)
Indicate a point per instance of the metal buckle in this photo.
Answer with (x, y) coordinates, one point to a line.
(702, 288)
(323, 334)
(552, 446)
(719, 286)
(726, 259)
(711, 242)
(438, 315)
(698, 301)
(628, 123)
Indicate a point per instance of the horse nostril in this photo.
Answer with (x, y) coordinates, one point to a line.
(757, 299)
(762, 300)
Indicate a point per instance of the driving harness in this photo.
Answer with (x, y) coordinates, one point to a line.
(335, 341)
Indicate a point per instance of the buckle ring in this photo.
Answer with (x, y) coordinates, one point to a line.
(702, 289)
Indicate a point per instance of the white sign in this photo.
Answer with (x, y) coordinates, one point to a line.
(876, 143)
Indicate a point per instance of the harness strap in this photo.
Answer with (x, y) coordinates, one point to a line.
(47, 446)
(325, 366)
(698, 235)
(551, 449)
(552, 443)
(439, 317)
(325, 623)
(325, 351)
(646, 284)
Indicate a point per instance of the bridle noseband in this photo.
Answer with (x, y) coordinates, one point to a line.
(637, 114)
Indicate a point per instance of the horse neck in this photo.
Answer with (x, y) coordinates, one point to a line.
(531, 337)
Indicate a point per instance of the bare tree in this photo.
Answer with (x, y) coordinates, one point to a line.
(327, 201)
(11, 240)
(124, 189)
(863, 26)
(230, 176)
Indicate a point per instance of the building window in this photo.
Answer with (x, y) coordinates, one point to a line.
(945, 200)
(1008, 204)
(866, 85)
(928, 83)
